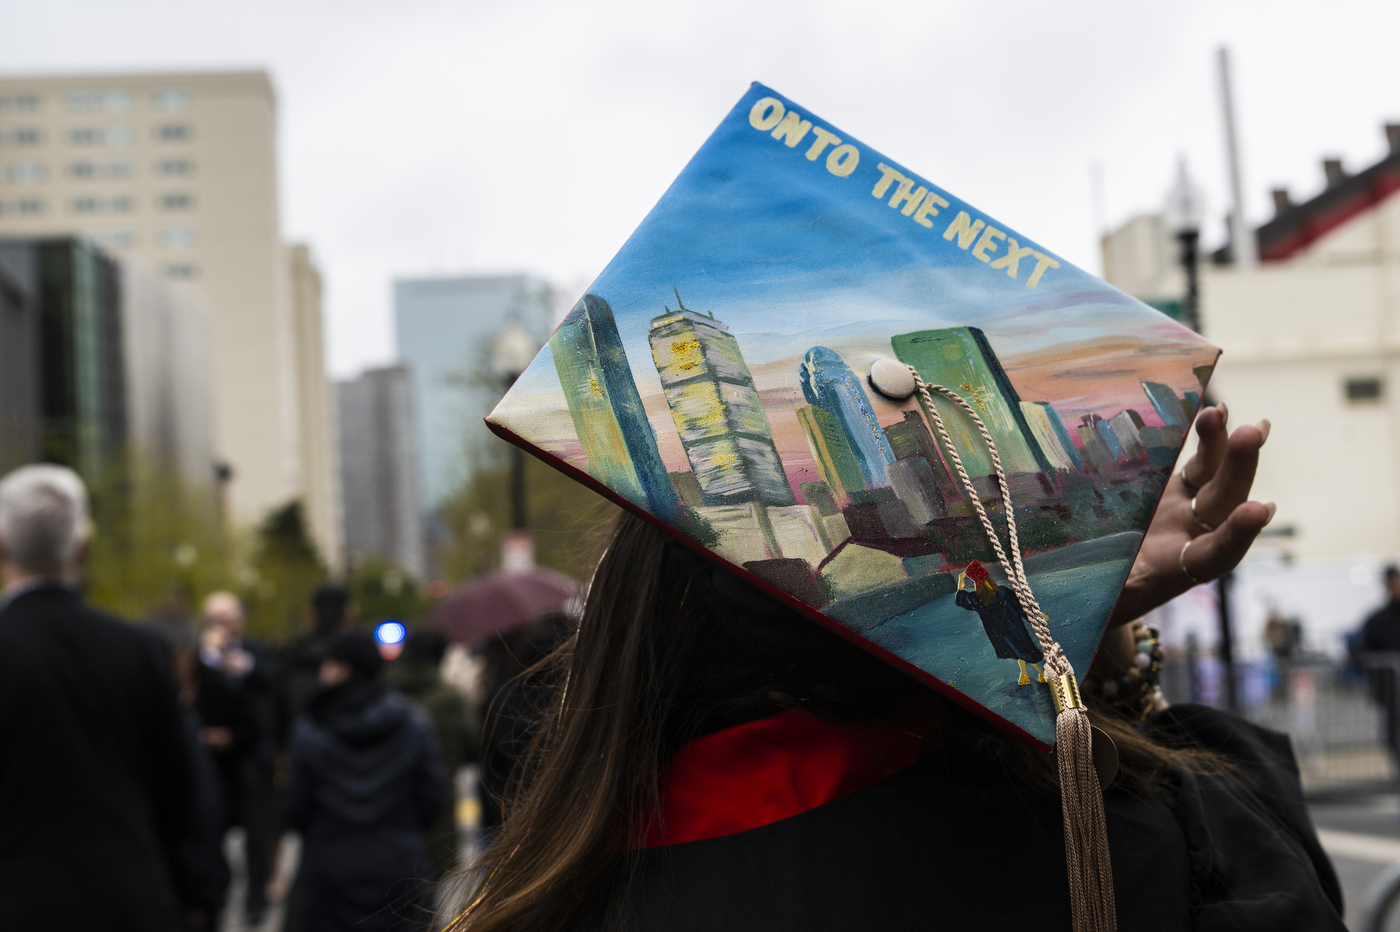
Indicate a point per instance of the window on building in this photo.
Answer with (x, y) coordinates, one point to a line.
(19, 137)
(85, 205)
(1364, 389)
(116, 101)
(84, 101)
(85, 135)
(178, 237)
(175, 167)
(119, 205)
(115, 239)
(29, 206)
(117, 170)
(181, 270)
(175, 201)
(21, 173)
(170, 99)
(19, 103)
(118, 135)
(174, 132)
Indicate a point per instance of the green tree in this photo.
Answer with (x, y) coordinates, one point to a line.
(157, 541)
(384, 592)
(569, 522)
(284, 572)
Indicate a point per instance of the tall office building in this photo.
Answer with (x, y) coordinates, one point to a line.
(1167, 404)
(379, 469)
(178, 172)
(1049, 428)
(829, 383)
(444, 327)
(607, 410)
(831, 453)
(911, 437)
(962, 359)
(722, 424)
(98, 358)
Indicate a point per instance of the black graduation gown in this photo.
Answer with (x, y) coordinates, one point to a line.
(952, 843)
(1005, 625)
(96, 787)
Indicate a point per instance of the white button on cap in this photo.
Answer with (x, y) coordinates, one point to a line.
(892, 378)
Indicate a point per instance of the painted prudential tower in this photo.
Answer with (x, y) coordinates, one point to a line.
(607, 410)
(717, 411)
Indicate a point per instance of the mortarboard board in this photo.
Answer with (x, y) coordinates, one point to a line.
(717, 379)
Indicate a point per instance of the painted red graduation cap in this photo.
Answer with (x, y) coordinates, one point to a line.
(714, 379)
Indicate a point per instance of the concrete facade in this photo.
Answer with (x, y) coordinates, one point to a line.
(379, 469)
(179, 172)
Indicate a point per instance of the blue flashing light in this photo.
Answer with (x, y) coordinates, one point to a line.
(390, 632)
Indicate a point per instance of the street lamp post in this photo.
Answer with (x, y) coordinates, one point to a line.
(510, 356)
(1185, 210)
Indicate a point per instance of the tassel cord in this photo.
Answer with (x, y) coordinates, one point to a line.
(1090, 872)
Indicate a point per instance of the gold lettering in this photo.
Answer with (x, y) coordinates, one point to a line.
(767, 113)
(824, 139)
(1015, 252)
(929, 208)
(1042, 262)
(911, 200)
(887, 175)
(792, 129)
(988, 241)
(964, 228)
(843, 160)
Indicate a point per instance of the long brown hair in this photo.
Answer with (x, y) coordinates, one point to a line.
(646, 671)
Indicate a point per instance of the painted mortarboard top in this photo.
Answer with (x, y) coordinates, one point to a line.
(714, 378)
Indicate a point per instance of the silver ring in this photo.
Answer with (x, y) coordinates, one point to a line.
(1191, 487)
(1196, 515)
(1182, 561)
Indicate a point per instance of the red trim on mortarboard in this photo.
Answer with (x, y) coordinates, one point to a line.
(976, 572)
(762, 772)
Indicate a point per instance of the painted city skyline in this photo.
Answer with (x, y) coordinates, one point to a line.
(715, 377)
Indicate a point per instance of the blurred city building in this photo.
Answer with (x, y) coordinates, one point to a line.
(379, 469)
(101, 358)
(1311, 339)
(445, 328)
(179, 171)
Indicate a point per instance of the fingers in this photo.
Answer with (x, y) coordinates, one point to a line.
(1212, 555)
(1235, 475)
(1210, 451)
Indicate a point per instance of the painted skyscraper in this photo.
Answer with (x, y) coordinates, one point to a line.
(1045, 422)
(831, 453)
(607, 410)
(1167, 405)
(960, 358)
(719, 416)
(829, 383)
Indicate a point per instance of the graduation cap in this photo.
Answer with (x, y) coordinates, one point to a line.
(919, 427)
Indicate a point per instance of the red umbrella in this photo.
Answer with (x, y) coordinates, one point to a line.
(502, 602)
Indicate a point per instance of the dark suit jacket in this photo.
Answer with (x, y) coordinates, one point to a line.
(95, 783)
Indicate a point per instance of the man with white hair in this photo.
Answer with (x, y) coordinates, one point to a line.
(95, 784)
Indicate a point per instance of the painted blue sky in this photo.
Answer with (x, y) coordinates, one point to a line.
(789, 255)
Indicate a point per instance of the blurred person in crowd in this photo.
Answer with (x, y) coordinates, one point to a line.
(201, 871)
(418, 675)
(366, 784)
(1381, 634)
(246, 666)
(298, 678)
(1284, 638)
(512, 705)
(96, 787)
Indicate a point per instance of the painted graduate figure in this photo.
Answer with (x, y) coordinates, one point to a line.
(706, 758)
(1002, 618)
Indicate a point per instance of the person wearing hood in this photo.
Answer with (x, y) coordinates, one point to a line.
(366, 782)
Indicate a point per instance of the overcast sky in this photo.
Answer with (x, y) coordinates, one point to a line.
(422, 137)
